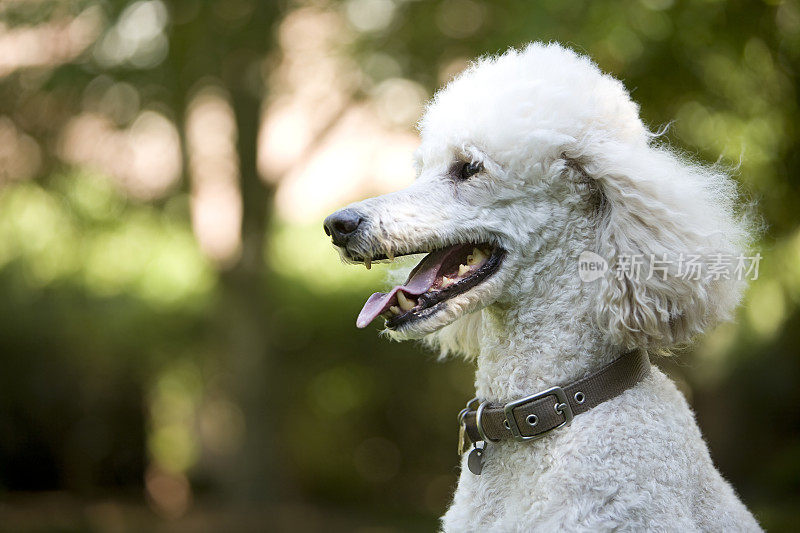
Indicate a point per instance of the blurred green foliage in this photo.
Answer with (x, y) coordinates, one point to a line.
(138, 370)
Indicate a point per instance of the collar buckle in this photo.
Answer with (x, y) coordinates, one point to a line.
(562, 407)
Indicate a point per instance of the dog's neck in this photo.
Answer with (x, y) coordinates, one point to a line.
(546, 335)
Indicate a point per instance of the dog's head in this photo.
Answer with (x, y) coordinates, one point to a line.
(516, 153)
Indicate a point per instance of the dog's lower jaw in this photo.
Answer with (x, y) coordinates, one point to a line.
(450, 310)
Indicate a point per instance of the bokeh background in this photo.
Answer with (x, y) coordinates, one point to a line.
(177, 340)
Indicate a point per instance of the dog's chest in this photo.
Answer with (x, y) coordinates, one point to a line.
(493, 498)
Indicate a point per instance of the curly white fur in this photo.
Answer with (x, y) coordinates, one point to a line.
(569, 166)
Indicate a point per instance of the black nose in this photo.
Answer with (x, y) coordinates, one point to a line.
(341, 225)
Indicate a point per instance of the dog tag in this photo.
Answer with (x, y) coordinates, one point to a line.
(461, 439)
(475, 461)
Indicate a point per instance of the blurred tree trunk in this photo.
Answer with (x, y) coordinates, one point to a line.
(205, 48)
(255, 473)
(245, 313)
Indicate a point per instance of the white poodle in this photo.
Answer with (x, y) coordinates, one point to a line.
(528, 160)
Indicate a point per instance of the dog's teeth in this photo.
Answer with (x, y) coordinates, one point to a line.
(446, 282)
(405, 303)
(395, 310)
(367, 263)
(475, 257)
(462, 270)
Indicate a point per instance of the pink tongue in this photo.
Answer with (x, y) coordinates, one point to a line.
(421, 280)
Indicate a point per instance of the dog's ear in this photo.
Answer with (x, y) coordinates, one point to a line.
(668, 228)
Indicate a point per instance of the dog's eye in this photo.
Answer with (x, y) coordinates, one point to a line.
(470, 169)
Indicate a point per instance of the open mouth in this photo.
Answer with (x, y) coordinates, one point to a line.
(441, 275)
